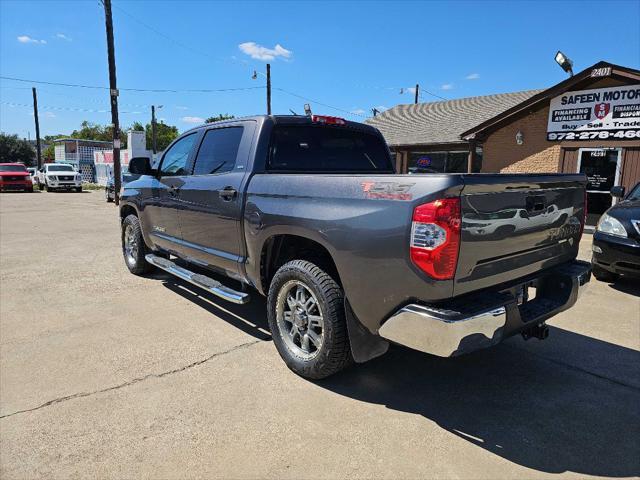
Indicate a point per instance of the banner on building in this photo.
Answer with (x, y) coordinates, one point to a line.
(598, 114)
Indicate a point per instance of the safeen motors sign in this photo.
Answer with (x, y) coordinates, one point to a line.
(598, 114)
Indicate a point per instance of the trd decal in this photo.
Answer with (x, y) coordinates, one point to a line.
(387, 190)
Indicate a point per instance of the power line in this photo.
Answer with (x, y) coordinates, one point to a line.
(151, 90)
(319, 103)
(70, 109)
(164, 35)
(423, 91)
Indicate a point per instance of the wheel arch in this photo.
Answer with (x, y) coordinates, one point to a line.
(279, 249)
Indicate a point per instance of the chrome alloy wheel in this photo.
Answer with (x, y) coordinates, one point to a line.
(130, 245)
(300, 320)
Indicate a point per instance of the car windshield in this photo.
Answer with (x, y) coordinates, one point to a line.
(60, 168)
(635, 193)
(12, 168)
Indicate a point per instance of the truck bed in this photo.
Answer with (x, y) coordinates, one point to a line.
(364, 222)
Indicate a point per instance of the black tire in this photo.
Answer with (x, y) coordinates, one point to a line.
(40, 186)
(107, 196)
(334, 354)
(48, 188)
(604, 275)
(134, 257)
(79, 189)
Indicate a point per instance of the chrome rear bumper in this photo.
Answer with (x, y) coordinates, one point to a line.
(451, 331)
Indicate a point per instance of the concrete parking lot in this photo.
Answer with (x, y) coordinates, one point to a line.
(104, 374)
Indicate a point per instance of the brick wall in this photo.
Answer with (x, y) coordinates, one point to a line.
(502, 154)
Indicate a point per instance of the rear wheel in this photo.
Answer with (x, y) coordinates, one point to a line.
(307, 320)
(107, 196)
(133, 246)
(604, 275)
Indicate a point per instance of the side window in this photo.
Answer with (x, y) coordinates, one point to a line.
(218, 151)
(174, 161)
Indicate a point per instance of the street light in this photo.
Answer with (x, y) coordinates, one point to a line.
(565, 62)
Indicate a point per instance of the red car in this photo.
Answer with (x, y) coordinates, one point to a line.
(14, 176)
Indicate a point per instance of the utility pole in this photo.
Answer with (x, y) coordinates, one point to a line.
(417, 93)
(153, 129)
(268, 89)
(35, 116)
(114, 100)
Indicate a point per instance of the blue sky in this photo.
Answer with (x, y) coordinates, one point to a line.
(349, 55)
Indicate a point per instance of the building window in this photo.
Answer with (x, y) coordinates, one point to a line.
(438, 162)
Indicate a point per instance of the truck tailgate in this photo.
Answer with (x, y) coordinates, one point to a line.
(515, 225)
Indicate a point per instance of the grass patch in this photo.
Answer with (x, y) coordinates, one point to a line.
(92, 186)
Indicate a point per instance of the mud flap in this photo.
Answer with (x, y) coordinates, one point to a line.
(364, 345)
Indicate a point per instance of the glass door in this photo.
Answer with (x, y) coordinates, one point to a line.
(602, 168)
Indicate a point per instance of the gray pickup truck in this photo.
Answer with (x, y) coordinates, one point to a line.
(309, 212)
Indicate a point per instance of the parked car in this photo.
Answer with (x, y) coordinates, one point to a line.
(33, 172)
(309, 212)
(59, 176)
(616, 241)
(109, 189)
(15, 177)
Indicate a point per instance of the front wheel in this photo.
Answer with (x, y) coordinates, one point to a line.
(79, 189)
(133, 246)
(307, 320)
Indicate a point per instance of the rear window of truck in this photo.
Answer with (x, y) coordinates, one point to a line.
(315, 148)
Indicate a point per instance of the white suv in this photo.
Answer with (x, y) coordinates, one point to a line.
(55, 176)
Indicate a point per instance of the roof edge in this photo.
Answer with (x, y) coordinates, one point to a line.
(549, 93)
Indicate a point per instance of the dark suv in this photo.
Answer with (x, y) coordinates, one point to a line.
(616, 242)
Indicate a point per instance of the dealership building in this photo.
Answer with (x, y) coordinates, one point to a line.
(589, 123)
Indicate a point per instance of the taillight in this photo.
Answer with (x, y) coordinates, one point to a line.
(435, 237)
(328, 120)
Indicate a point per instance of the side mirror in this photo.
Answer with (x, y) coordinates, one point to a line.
(617, 191)
(140, 166)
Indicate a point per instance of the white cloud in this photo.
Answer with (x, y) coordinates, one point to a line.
(473, 76)
(447, 86)
(62, 36)
(193, 120)
(49, 115)
(259, 52)
(358, 111)
(28, 39)
(381, 108)
(180, 107)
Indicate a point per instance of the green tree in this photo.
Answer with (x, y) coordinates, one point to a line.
(165, 134)
(94, 131)
(219, 118)
(14, 149)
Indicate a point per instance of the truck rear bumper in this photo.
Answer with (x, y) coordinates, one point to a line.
(482, 320)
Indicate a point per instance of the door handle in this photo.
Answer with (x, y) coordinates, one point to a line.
(227, 193)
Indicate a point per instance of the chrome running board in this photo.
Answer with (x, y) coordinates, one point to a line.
(201, 281)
